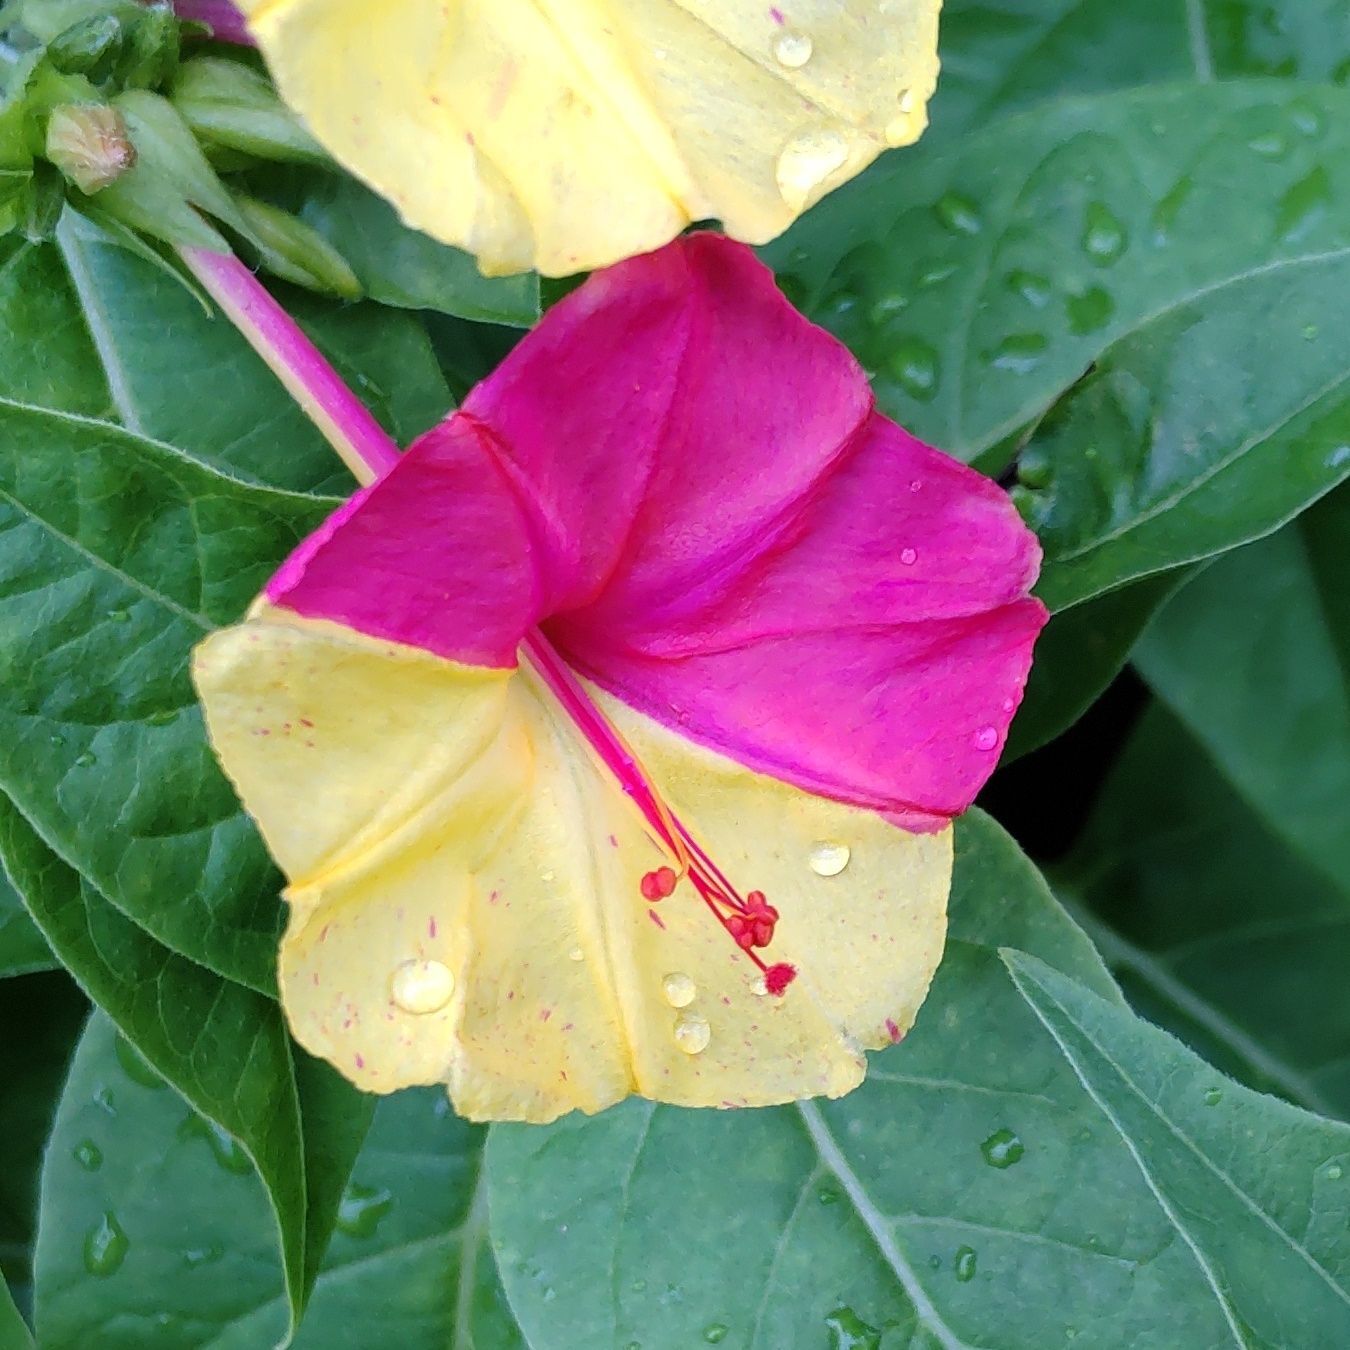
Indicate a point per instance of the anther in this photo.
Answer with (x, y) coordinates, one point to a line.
(659, 884)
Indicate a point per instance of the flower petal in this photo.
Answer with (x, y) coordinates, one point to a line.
(444, 822)
(566, 134)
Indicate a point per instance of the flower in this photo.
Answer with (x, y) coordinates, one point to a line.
(568, 137)
(610, 740)
(220, 16)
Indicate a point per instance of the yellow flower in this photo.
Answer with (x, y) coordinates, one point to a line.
(564, 135)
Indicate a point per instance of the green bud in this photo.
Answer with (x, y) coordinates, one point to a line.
(46, 200)
(152, 50)
(296, 252)
(47, 20)
(90, 145)
(89, 47)
(15, 185)
(231, 106)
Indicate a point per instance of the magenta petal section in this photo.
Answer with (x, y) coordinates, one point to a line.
(687, 485)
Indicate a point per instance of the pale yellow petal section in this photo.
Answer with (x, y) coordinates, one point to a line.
(567, 134)
(466, 903)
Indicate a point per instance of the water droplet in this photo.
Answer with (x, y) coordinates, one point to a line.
(906, 101)
(1307, 119)
(576, 954)
(1334, 1172)
(1019, 352)
(692, 1033)
(958, 214)
(550, 1293)
(1002, 1149)
(1165, 215)
(225, 1148)
(105, 1246)
(88, 1155)
(1339, 457)
(827, 1195)
(679, 989)
(1104, 237)
(57, 741)
(849, 1332)
(965, 1264)
(792, 50)
(119, 616)
(828, 858)
(1270, 144)
(103, 1099)
(203, 1256)
(715, 1333)
(638, 1286)
(909, 556)
(161, 717)
(86, 760)
(986, 738)
(135, 1066)
(633, 1345)
(1213, 1096)
(1031, 286)
(420, 987)
(1310, 331)
(914, 364)
(362, 1209)
(1304, 205)
(806, 161)
(935, 1262)
(1090, 311)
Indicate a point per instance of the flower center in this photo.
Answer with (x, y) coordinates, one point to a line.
(748, 919)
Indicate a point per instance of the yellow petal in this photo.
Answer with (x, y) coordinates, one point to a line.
(465, 890)
(567, 134)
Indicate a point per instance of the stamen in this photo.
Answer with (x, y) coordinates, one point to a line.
(749, 920)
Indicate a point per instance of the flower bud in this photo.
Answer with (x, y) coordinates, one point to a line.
(88, 142)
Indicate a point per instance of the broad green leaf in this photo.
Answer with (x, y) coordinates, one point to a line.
(398, 265)
(1214, 926)
(1254, 656)
(88, 328)
(222, 405)
(1004, 55)
(1257, 1192)
(1079, 653)
(51, 1011)
(224, 1047)
(14, 1335)
(22, 949)
(1207, 428)
(117, 555)
(977, 280)
(185, 1240)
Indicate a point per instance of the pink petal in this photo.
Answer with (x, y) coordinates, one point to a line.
(686, 482)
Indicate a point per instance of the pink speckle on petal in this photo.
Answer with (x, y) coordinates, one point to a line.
(360, 1062)
(431, 926)
(776, 15)
(545, 1014)
(894, 1032)
(655, 918)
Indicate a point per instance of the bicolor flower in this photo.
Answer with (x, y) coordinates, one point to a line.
(565, 137)
(610, 741)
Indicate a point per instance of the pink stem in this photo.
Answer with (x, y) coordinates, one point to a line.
(363, 444)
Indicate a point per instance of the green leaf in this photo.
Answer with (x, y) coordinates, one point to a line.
(973, 1192)
(224, 1047)
(22, 948)
(119, 314)
(1254, 656)
(1079, 653)
(1204, 430)
(977, 281)
(14, 1335)
(119, 554)
(397, 265)
(1214, 926)
(408, 1267)
(1256, 1191)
